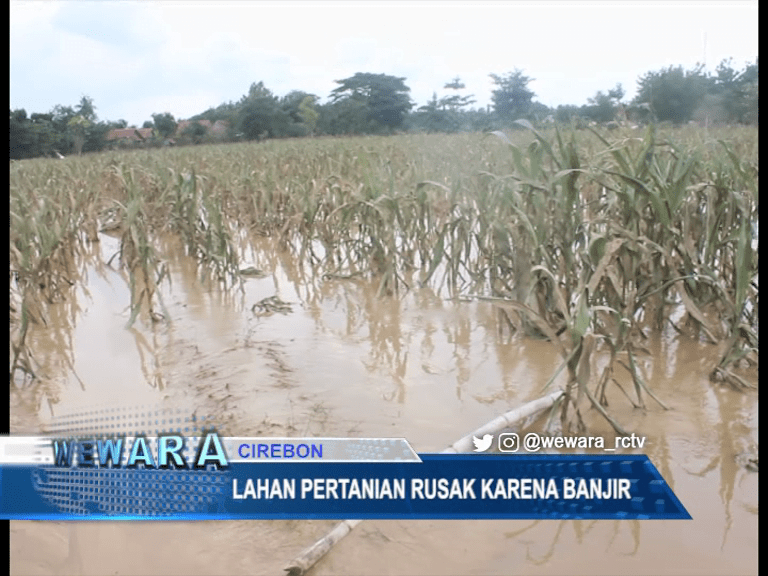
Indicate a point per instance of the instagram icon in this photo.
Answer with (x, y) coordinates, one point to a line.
(509, 442)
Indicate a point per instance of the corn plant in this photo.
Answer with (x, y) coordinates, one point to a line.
(586, 241)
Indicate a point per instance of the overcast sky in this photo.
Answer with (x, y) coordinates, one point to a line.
(183, 57)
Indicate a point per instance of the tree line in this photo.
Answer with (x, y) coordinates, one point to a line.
(369, 103)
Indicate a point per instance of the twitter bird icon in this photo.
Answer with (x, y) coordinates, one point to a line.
(482, 444)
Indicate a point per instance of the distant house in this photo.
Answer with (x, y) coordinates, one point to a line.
(131, 136)
(125, 135)
(217, 130)
(184, 124)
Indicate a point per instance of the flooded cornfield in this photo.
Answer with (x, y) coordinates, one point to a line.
(380, 287)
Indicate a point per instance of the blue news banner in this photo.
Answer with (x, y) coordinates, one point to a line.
(169, 478)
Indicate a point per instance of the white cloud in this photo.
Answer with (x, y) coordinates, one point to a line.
(188, 52)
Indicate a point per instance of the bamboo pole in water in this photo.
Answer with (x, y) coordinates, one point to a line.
(309, 556)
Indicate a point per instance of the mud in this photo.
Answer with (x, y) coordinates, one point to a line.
(344, 362)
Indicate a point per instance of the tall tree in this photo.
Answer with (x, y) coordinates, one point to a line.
(194, 132)
(737, 91)
(348, 115)
(60, 117)
(260, 115)
(21, 143)
(309, 115)
(512, 97)
(673, 93)
(165, 124)
(603, 107)
(86, 109)
(293, 104)
(433, 117)
(77, 126)
(290, 103)
(385, 98)
(456, 102)
(748, 94)
(44, 135)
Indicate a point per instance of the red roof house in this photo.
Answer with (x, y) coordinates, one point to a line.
(135, 134)
(182, 125)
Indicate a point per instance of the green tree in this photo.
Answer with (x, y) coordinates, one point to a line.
(83, 128)
(538, 112)
(260, 115)
(96, 135)
(21, 137)
(445, 114)
(384, 97)
(78, 125)
(347, 115)
(566, 113)
(748, 94)
(291, 105)
(228, 112)
(309, 115)
(86, 109)
(512, 97)
(480, 120)
(673, 94)
(736, 91)
(194, 132)
(456, 102)
(432, 117)
(60, 117)
(602, 107)
(164, 123)
(44, 135)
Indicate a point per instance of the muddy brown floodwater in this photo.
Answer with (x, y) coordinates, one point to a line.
(343, 362)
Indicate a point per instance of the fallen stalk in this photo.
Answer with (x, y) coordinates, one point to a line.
(310, 556)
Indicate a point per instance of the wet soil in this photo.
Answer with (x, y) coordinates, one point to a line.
(340, 360)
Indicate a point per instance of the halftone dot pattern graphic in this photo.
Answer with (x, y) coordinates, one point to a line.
(144, 492)
(132, 492)
(642, 507)
(378, 449)
(127, 421)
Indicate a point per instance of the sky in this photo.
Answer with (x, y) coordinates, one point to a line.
(138, 58)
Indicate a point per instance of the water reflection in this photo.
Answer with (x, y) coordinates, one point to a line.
(347, 361)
